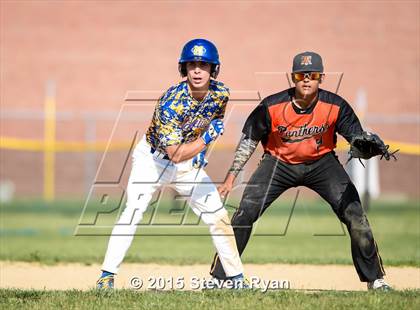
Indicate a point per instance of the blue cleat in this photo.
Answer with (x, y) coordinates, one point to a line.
(239, 282)
(106, 282)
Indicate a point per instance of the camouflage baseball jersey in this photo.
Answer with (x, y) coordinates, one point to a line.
(179, 118)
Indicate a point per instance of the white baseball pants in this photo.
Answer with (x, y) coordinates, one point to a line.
(148, 173)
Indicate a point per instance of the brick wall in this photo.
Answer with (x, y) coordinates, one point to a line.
(96, 51)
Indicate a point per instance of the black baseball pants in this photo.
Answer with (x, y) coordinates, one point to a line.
(328, 178)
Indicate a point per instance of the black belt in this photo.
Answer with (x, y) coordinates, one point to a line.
(159, 154)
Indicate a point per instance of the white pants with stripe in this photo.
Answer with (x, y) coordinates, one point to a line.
(148, 173)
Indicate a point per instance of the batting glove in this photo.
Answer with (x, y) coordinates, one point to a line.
(215, 129)
(200, 161)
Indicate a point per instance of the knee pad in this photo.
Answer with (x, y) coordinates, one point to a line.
(358, 225)
(350, 196)
(355, 216)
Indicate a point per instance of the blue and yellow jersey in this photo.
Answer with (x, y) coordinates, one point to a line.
(179, 118)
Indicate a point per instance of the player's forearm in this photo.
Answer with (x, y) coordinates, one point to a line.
(348, 124)
(185, 151)
(243, 152)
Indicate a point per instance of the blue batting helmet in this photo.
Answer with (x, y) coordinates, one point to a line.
(200, 50)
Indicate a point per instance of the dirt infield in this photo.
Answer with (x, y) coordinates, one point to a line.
(77, 276)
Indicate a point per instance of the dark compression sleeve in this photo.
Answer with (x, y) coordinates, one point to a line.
(243, 152)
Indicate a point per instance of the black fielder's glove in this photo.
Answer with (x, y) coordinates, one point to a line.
(367, 145)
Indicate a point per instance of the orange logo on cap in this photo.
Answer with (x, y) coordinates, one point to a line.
(306, 60)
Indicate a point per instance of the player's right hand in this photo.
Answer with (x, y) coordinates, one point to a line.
(227, 186)
(215, 129)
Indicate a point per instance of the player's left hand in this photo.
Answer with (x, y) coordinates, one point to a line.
(367, 145)
(199, 160)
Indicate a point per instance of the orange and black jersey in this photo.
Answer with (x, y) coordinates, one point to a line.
(297, 135)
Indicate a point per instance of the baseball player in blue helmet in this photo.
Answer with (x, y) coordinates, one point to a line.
(199, 50)
(187, 118)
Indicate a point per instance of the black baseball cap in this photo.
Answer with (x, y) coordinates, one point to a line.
(307, 62)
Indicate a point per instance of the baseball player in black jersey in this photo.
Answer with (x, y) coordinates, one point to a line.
(298, 130)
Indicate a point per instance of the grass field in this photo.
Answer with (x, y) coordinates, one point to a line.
(33, 231)
(123, 299)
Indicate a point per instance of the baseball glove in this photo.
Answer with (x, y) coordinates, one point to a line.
(367, 145)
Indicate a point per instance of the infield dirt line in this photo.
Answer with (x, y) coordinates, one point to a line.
(307, 277)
